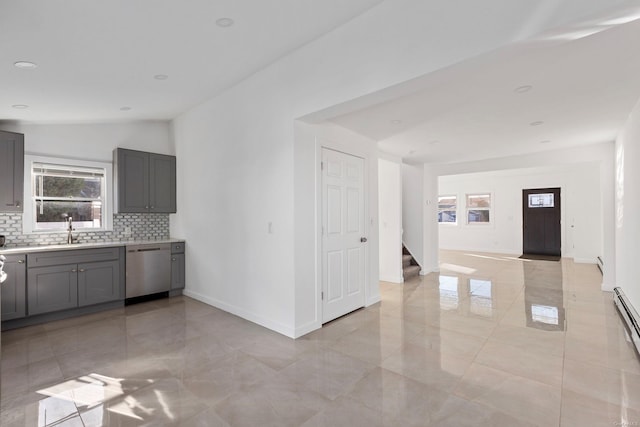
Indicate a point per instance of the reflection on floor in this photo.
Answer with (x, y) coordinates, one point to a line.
(489, 341)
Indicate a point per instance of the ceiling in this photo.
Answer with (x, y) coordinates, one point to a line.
(96, 60)
(575, 85)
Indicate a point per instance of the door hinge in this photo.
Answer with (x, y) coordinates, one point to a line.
(321, 165)
(322, 295)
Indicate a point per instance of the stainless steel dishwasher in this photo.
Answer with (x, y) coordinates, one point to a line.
(148, 269)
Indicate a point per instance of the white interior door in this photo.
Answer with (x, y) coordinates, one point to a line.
(343, 251)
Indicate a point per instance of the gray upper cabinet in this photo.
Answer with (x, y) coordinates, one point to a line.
(11, 171)
(162, 183)
(145, 182)
(132, 180)
(14, 291)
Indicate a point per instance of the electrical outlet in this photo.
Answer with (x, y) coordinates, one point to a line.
(127, 231)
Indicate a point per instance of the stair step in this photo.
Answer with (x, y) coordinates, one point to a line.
(410, 271)
(406, 260)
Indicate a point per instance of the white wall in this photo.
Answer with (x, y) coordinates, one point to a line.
(390, 219)
(239, 158)
(94, 141)
(430, 220)
(627, 207)
(412, 211)
(580, 209)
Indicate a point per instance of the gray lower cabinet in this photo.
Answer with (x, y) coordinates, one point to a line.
(177, 266)
(98, 282)
(52, 288)
(11, 171)
(177, 271)
(13, 295)
(64, 280)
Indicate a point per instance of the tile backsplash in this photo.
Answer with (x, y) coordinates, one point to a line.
(143, 227)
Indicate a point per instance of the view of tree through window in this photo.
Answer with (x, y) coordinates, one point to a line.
(61, 192)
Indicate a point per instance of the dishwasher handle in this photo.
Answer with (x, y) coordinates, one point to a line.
(145, 250)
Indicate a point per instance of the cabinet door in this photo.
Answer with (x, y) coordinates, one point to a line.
(11, 171)
(133, 181)
(177, 271)
(13, 295)
(98, 282)
(162, 190)
(52, 288)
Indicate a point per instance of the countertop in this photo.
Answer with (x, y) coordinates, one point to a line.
(67, 247)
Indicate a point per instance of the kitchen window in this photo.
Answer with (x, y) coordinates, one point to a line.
(479, 208)
(62, 189)
(447, 209)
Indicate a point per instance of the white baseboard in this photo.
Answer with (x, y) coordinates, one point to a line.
(373, 300)
(585, 261)
(267, 323)
(425, 271)
(392, 279)
(305, 329)
(606, 287)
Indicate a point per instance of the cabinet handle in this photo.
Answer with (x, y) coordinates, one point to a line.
(17, 204)
(20, 261)
(74, 270)
(153, 207)
(146, 207)
(173, 259)
(82, 270)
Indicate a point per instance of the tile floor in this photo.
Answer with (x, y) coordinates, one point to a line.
(490, 341)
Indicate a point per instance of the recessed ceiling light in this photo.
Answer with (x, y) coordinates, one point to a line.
(25, 64)
(161, 77)
(523, 89)
(538, 123)
(224, 22)
(20, 106)
(546, 141)
(396, 122)
(125, 108)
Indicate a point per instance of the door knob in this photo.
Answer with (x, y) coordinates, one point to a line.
(363, 239)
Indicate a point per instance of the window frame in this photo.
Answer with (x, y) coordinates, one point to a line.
(489, 209)
(29, 218)
(450, 224)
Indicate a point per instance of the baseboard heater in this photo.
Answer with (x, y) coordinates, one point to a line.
(629, 314)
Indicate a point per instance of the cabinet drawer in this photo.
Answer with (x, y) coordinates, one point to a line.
(43, 259)
(177, 248)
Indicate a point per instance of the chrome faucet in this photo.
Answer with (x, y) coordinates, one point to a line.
(70, 238)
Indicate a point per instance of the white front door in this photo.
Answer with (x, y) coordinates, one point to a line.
(343, 252)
